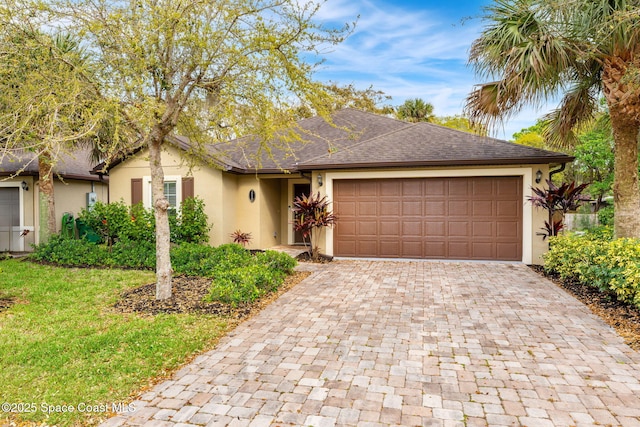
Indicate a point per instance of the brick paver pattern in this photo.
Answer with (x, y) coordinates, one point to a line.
(378, 343)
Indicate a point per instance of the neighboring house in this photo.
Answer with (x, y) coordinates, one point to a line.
(408, 190)
(21, 200)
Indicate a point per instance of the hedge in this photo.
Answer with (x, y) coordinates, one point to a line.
(611, 265)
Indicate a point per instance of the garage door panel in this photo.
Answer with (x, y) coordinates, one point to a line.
(437, 228)
(411, 249)
(435, 208)
(482, 188)
(390, 188)
(390, 228)
(389, 207)
(507, 229)
(411, 208)
(482, 208)
(348, 208)
(483, 250)
(435, 249)
(367, 188)
(367, 208)
(347, 228)
(459, 250)
(412, 187)
(454, 218)
(412, 228)
(367, 248)
(435, 187)
(367, 229)
(459, 208)
(507, 208)
(346, 247)
(505, 187)
(389, 248)
(506, 251)
(458, 188)
(482, 229)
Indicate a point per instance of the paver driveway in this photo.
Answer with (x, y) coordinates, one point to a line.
(409, 343)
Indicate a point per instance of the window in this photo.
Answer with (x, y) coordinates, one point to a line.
(172, 191)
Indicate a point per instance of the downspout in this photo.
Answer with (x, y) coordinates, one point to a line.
(560, 169)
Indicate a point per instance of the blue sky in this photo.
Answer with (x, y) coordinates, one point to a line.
(412, 49)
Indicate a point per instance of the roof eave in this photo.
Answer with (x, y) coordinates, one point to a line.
(440, 163)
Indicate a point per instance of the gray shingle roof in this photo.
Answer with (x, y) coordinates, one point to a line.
(360, 139)
(426, 144)
(76, 165)
(349, 127)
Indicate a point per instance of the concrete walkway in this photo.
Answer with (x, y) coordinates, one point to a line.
(373, 343)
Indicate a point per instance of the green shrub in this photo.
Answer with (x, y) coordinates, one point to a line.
(133, 254)
(193, 259)
(605, 216)
(245, 284)
(612, 266)
(191, 224)
(231, 255)
(69, 252)
(115, 221)
(277, 260)
(239, 277)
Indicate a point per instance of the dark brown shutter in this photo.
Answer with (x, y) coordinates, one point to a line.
(136, 190)
(187, 187)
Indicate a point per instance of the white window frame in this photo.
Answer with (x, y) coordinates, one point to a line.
(146, 190)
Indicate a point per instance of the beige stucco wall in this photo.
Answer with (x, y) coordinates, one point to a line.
(533, 219)
(208, 184)
(70, 196)
(270, 213)
(262, 217)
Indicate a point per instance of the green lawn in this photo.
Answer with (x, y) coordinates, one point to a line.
(62, 344)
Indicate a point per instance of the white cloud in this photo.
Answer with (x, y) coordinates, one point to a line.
(408, 52)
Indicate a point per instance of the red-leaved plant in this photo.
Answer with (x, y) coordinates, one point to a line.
(310, 214)
(554, 199)
(241, 237)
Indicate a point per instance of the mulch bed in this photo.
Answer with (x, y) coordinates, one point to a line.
(187, 295)
(623, 317)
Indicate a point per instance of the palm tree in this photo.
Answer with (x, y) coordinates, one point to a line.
(416, 110)
(535, 50)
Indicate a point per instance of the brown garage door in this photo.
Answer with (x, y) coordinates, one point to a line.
(447, 218)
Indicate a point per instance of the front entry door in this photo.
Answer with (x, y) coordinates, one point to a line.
(9, 219)
(298, 190)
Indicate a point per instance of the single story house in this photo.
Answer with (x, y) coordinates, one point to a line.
(21, 200)
(400, 190)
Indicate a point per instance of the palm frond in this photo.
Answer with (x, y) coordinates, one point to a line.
(577, 108)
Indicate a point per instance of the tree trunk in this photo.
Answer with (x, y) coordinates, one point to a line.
(626, 196)
(624, 109)
(46, 186)
(161, 208)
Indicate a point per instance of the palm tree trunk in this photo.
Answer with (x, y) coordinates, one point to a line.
(626, 195)
(161, 208)
(623, 99)
(46, 187)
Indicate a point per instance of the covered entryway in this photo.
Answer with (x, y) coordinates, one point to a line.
(9, 219)
(440, 218)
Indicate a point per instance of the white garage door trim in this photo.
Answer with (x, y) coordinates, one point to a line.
(525, 172)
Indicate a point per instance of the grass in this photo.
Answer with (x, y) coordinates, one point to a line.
(62, 344)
